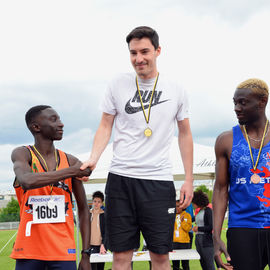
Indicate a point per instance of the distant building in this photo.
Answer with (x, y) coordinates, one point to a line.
(5, 199)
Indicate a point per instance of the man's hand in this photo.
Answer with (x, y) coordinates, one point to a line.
(195, 229)
(84, 263)
(89, 164)
(83, 179)
(186, 194)
(219, 248)
(79, 172)
(102, 249)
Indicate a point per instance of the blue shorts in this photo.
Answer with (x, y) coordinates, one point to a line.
(138, 205)
(31, 264)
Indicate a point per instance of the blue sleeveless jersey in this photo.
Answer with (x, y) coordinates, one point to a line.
(249, 203)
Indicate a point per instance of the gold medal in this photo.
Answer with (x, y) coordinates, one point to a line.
(148, 132)
(255, 178)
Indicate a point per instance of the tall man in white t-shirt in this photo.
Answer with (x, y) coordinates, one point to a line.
(140, 194)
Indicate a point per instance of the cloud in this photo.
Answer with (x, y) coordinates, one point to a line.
(77, 103)
(234, 12)
(59, 40)
(77, 142)
(210, 141)
(6, 167)
(230, 11)
(63, 53)
(82, 40)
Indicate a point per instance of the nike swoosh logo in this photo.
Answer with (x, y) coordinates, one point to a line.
(130, 109)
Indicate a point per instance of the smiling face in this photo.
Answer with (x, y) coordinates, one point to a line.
(49, 125)
(143, 57)
(247, 106)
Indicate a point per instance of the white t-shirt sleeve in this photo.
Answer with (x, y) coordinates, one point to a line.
(183, 109)
(108, 104)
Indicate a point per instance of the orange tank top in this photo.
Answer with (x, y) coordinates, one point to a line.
(50, 241)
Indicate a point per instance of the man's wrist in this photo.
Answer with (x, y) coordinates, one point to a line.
(189, 179)
(86, 251)
(216, 236)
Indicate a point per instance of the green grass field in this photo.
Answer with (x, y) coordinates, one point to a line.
(6, 263)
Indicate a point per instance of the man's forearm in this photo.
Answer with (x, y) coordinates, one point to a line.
(220, 201)
(101, 140)
(85, 228)
(36, 180)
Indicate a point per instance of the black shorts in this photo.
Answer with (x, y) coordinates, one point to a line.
(134, 205)
(31, 264)
(249, 248)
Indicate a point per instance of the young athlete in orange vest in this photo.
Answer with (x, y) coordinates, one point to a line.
(45, 180)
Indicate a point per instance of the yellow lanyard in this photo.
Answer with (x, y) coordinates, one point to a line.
(260, 149)
(151, 99)
(45, 163)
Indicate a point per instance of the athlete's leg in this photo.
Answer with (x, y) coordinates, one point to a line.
(156, 214)
(155, 206)
(122, 230)
(27, 264)
(206, 253)
(208, 258)
(176, 263)
(160, 261)
(61, 265)
(244, 247)
(122, 260)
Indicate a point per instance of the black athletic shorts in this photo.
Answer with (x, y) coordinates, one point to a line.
(134, 205)
(31, 264)
(249, 248)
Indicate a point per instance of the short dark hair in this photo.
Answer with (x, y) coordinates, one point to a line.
(144, 32)
(98, 194)
(200, 198)
(34, 112)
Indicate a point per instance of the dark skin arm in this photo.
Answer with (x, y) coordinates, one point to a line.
(223, 148)
(84, 217)
(21, 159)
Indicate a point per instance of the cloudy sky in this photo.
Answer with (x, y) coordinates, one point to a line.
(63, 53)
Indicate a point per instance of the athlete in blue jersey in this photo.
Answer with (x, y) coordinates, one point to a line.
(243, 182)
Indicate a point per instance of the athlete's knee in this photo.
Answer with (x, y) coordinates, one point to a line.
(160, 261)
(122, 260)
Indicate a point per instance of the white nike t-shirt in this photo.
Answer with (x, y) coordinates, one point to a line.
(134, 154)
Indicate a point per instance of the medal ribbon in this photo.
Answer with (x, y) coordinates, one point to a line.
(151, 99)
(260, 149)
(45, 163)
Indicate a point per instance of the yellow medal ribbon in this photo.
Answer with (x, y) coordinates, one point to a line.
(45, 163)
(260, 149)
(148, 131)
